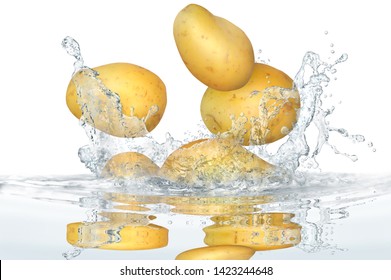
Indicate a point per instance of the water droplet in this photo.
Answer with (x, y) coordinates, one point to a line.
(285, 130)
(342, 58)
(71, 46)
(354, 158)
(331, 45)
(326, 32)
(332, 51)
(169, 222)
(73, 253)
(358, 138)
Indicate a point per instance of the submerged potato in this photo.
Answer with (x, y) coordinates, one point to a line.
(268, 101)
(223, 252)
(138, 88)
(213, 160)
(215, 51)
(130, 165)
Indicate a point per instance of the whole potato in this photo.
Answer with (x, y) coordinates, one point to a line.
(139, 90)
(269, 101)
(215, 51)
(213, 160)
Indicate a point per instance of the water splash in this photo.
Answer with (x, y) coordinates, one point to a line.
(259, 58)
(293, 155)
(101, 108)
(325, 200)
(273, 100)
(72, 47)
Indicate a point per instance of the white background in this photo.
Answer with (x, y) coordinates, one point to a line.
(38, 135)
(286, 269)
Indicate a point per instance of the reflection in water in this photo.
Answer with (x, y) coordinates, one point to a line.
(120, 217)
(264, 231)
(240, 227)
(119, 231)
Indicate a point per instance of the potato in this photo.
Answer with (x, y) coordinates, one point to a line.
(215, 51)
(227, 252)
(265, 231)
(139, 90)
(130, 165)
(268, 101)
(213, 160)
(100, 235)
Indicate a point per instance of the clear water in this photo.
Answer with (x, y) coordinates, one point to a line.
(322, 206)
(342, 216)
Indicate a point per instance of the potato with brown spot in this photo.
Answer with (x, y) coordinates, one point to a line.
(138, 88)
(216, 52)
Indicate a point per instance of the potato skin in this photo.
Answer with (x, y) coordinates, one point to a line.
(218, 106)
(216, 52)
(213, 160)
(129, 165)
(221, 252)
(137, 87)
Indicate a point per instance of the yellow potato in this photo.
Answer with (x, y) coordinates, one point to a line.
(138, 88)
(224, 252)
(215, 51)
(100, 235)
(268, 101)
(213, 160)
(130, 165)
(266, 231)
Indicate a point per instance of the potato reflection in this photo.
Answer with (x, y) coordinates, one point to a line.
(262, 231)
(122, 231)
(239, 228)
(238, 221)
